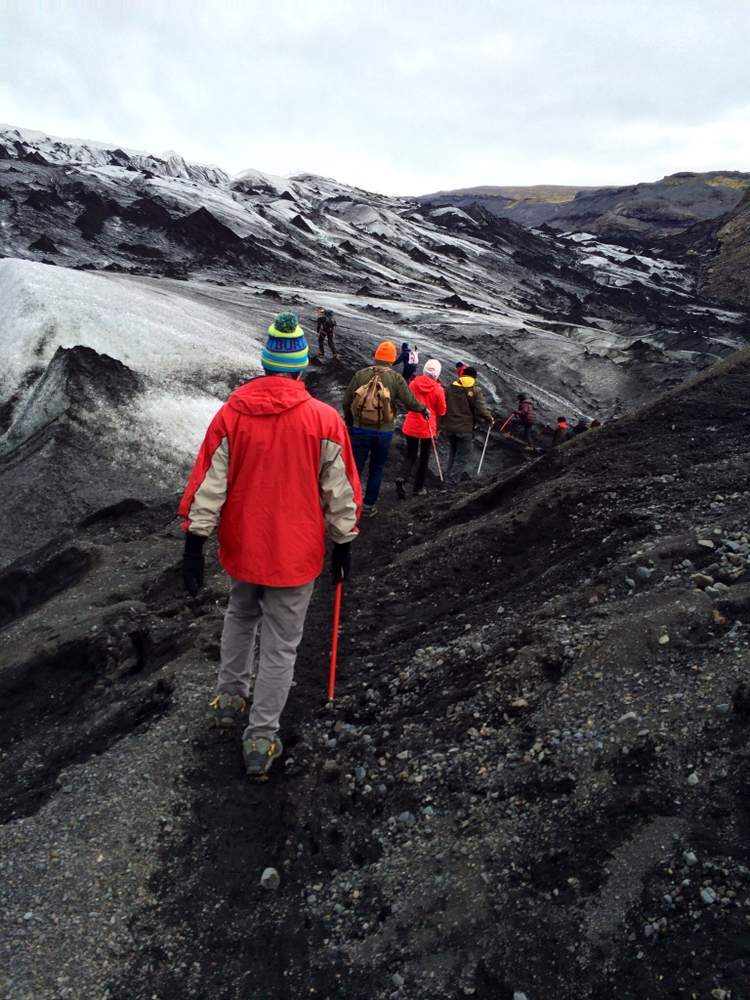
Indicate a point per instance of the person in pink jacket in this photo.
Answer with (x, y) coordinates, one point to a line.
(418, 431)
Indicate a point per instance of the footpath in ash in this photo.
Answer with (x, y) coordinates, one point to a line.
(536, 778)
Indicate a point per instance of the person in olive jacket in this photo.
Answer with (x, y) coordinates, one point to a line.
(465, 406)
(373, 440)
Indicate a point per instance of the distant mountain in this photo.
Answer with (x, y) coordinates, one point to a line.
(637, 214)
(531, 205)
(724, 251)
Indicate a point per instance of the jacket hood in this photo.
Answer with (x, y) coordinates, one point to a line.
(466, 381)
(423, 383)
(268, 396)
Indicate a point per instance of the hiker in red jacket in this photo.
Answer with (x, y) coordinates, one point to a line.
(417, 430)
(562, 431)
(275, 473)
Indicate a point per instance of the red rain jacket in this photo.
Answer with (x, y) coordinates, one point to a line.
(432, 394)
(274, 470)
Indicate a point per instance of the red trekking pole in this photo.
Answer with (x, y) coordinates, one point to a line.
(507, 422)
(335, 639)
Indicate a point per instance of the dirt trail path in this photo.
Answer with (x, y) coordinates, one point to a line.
(210, 905)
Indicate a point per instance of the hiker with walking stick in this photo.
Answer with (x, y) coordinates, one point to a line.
(420, 432)
(275, 473)
(465, 405)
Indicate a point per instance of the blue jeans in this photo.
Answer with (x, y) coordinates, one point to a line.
(374, 445)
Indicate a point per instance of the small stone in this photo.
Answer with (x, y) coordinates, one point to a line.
(702, 580)
(270, 879)
(706, 543)
(627, 719)
(398, 980)
(663, 639)
(517, 995)
(644, 573)
(690, 859)
(693, 779)
(708, 896)
(630, 582)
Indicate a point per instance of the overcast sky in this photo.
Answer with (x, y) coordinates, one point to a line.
(401, 97)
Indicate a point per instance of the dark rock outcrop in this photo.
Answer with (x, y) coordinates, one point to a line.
(44, 244)
(205, 231)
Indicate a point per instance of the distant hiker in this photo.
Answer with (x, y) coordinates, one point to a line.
(580, 427)
(326, 325)
(561, 432)
(460, 369)
(370, 409)
(417, 430)
(524, 415)
(465, 404)
(275, 472)
(409, 358)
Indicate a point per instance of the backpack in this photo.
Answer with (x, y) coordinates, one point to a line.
(329, 323)
(413, 357)
(525, 411)
(372, 402)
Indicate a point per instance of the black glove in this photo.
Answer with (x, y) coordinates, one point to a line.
(193, 563)
(341, 561)
(426, 413)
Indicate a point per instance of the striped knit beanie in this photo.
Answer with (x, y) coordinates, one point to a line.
(286, 348)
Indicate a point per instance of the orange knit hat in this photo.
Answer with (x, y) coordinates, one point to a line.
(386, 351)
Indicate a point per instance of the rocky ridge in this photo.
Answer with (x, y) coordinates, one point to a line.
(638, 214)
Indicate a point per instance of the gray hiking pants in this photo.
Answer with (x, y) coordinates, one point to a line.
(281, 610)
(460, 452)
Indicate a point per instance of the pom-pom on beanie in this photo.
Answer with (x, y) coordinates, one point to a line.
(433, 368)
(386, 351)
(286, 348)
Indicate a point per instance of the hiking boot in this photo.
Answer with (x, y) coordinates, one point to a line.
(400, 491)
(259, 752)
(227, 711)
(370, 509)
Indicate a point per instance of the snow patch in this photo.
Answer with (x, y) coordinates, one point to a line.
(166, 337)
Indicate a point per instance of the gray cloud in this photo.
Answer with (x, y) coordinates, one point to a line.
(402, 98)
